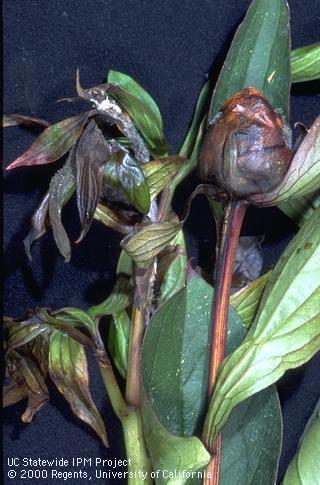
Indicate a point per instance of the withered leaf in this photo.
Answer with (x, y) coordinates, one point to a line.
(38, 225)
(91, 155)
(159, 172)
(54, 141)
(115, 219)
(69, 371)
(62, 186)
(12, 394)
(16, 119)
(29, 379)
(20, 333)
(248, 261)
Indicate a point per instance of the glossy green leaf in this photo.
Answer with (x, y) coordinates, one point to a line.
(92, 154)
(305, 63)
(304, 469)
(142, 109)
(246, 301)
(259, 56)
(285, 333)
(200, 111)
(69, 371)
(303, 176)
(159, 172)
(118, 341)
(62, 187)
(54, 142)
(175, 277)
(301, 209)
(115, 303)
(251, 441)
(176, 458)
(176, 383)
(150, 241)
(123, 171)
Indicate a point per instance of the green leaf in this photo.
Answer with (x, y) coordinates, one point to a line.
(150, 241)
(123, 171)
(305, 63)
(246, 301)
(303, 176)
(251, 441)
(69, 371)
(62, 187)
(175, 458)
(175, 277)
(159, 172)
(118, 220)
(175, 385)
(259, 57)
(118, 341)
(142, 109)
(20, 333)
(54, 142)
(200, 111)
(304, 469)
(115, 303)
(285, 333)
(301, 209)
(76, 317)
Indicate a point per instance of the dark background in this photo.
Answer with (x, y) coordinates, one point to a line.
(169, 47)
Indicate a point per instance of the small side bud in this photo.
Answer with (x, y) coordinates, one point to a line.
(246, 149)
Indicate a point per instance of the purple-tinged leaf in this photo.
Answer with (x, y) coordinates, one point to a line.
(91, 156)
(16, 119)
(248, 261)
(54, 142)
(69, 371)
(38, 225)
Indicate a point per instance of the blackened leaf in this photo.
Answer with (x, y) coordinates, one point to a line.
(17, 120)
(69, 371)
(285, 333)
(301, 209)
(91, 155)
(248, 261)
(150, 241)
(115, 219)
(123, 171)
(142, 109)
(305, 63)
(21, 332)
(304, 469)
(246, 301)
(62, 187)
(54, 142)
(159, 172)
(259, 57)
(200, 111)
(118, 341)
(303, 176)
(30, 380)
(38, 225)
(115, 303)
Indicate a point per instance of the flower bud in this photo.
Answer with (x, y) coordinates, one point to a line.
(246, 149)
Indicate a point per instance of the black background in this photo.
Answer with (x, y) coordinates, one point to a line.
(168, 47)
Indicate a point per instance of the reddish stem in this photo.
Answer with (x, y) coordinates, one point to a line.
(230, 232)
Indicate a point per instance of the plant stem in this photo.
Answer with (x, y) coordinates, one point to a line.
(143, 279)
(136, 452)
(233, 217)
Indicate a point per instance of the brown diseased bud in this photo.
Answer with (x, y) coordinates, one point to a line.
(246, 149)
